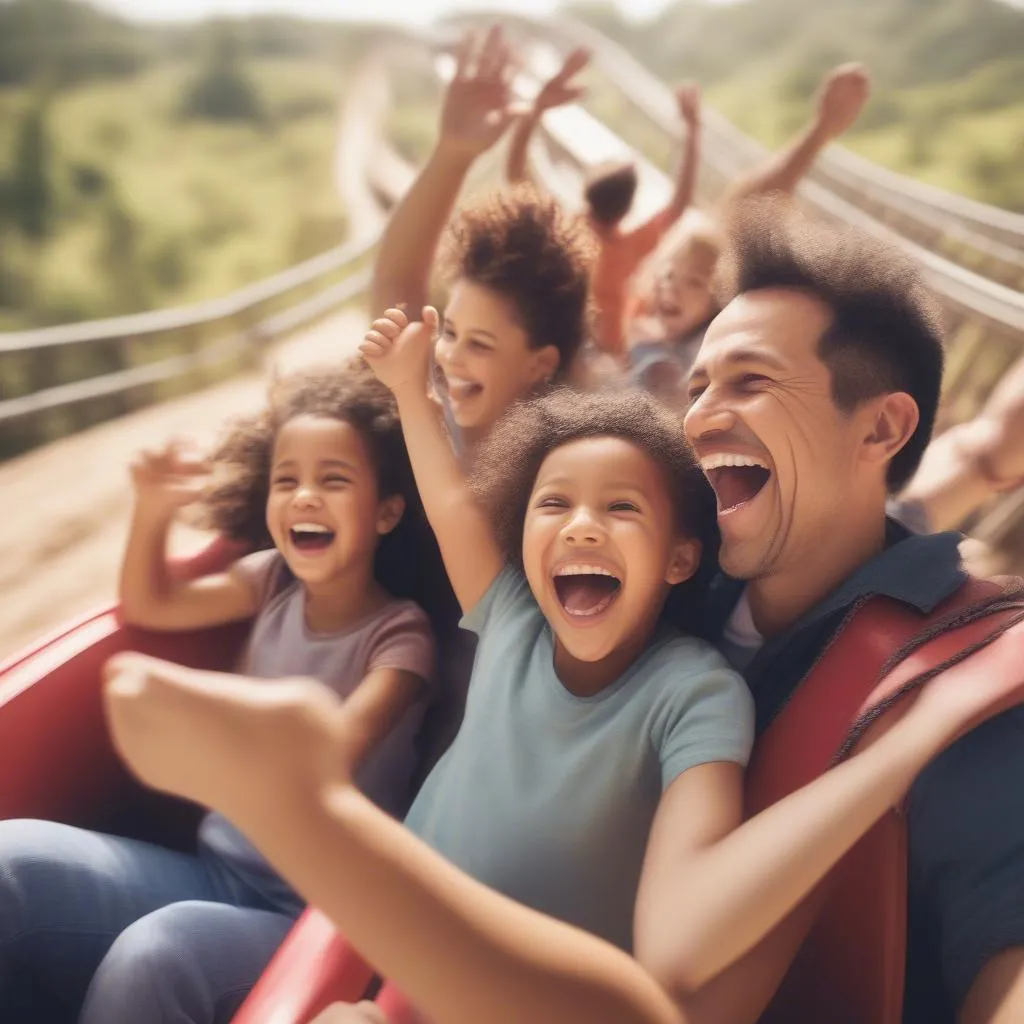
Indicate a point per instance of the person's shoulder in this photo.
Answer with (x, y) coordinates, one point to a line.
(267, 575)
(683, 651)
(686, 666)
(399, 614)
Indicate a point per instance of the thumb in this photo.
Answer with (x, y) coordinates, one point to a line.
(431, 319)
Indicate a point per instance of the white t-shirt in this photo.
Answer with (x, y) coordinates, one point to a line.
(740, 638)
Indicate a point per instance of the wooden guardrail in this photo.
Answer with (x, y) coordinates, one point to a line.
(985, 320)
(62, 379)
(983, 238)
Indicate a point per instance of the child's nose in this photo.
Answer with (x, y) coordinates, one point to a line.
(307, 497)
(583, 530)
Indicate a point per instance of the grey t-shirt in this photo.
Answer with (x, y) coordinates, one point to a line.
(397, 636)
(548, 797)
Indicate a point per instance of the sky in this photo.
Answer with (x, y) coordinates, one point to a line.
(409, 11)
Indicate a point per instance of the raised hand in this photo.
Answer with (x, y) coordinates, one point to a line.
(688, 102)
(398, 349)
(842, 96)
(192, 733)
(478, 105)
(559, 90)
(168, 478)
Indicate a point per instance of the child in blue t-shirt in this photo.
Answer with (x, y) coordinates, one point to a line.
(586, 716)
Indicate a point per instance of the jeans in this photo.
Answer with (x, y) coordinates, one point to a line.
(108, 930)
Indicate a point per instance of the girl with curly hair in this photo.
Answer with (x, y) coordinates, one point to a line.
(587, 717)
(127, 931)
(515, 266)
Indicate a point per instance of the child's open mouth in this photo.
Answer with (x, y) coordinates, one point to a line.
(311, 537)
(735, 479)
(586, 590)
(461, 390)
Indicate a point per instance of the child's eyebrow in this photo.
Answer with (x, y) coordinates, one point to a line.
(472, 330)
(289, 463)
(622, 485)
(612, 485)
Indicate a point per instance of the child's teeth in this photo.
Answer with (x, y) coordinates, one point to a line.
(310, 528)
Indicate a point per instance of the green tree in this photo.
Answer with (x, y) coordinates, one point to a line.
(30, 193)
(119, 256)
(222, 90)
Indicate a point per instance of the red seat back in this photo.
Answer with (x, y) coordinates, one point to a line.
(56, 760)
(850, 969)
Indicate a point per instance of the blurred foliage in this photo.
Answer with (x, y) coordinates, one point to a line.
(222, 90)
(947, 101)
(143, 167)
(411, 124)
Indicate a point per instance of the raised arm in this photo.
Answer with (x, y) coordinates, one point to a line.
(646, 237)
(399, 351)
(272, 757)
(556, 92)
(841, 98)
(165, 481)
(476, 111)
(702, 907)
(969, 463)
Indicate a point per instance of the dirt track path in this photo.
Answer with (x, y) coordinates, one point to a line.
(66, 506)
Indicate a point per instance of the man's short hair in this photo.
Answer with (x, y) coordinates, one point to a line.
(885, 334)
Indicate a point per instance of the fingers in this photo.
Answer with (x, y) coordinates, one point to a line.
(464, 50)
(574, 63)
(494, 55)
(386, 330)
(173, 460)
(688, 99)
(383, 332)
(391, 324)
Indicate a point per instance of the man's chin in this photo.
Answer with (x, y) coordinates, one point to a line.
(741, 560)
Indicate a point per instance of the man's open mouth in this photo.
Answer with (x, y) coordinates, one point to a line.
(311, 536)
(735, 479)
(586, 590)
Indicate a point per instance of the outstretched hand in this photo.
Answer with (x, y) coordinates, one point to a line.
(478, 106)
(688, 102)
(221, 740)
(168, 478)
(398, 349)
(842, 96)
(560, 89)
(986, 682)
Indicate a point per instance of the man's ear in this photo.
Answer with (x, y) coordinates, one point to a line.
(891, 421)
(389, 513)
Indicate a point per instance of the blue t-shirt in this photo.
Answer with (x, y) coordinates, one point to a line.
(549, 797)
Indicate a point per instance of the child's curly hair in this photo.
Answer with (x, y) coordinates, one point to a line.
(524, 246)
(508, 461)
(407, 562)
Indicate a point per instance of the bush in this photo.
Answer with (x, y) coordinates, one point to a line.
(30, 194)
(222, 91)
